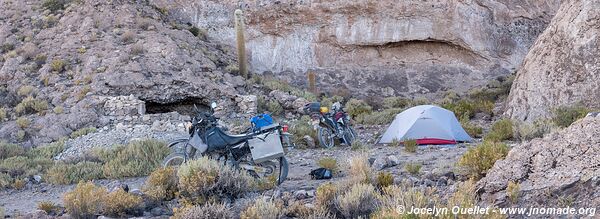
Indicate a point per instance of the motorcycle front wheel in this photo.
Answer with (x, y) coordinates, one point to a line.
(326, 137)
(349, 136)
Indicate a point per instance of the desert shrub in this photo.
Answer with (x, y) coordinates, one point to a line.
(138, 158)
(6, 47)
(55, 5)
(262, 209)
(500, 131)
(356, 107)
(395, 142)
(410, 145)
(479, 159)
(204, 178)
(64, 173)
(494, 90)
(85, 201)
(384, 179)
(5, 180)
(19, 184)
(360, 168)
(82, 132)
(512, 191)
(47, 206)
(526, 131)
(383, 117)
(120, 203)
(128, 37)
(402, 195)
(206, 211)
(564, 116)
(48, 151)
(396, 102)
(26, 90)
(23, 122)
(40, 59)
(302, 128)
(413, 168)
(360, 201)
(325, 195)
(3, 114)
(58, 110)
(328, 163)
(461, 109)
(137, 49)
(232, 68)
(328, 101)
(465, 197)
(274, 107)
(84, 91)
(58, 65)
(31, 105)
(143, 23)
(471, 129)
(161, 184)
(15, 166)
(21, 135)
(10, 150)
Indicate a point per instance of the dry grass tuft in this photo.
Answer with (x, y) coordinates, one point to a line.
(206, 211)
(120, 203)
(47, 206)
(162, 184)
(413, 168)
(262, 209)
(384, 179)
(329, 163)
(360, 201)
(410, 145)
(85, 201)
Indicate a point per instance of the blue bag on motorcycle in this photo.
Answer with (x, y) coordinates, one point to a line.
(261, 120)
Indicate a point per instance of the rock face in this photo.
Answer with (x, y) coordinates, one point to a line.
(384, 47)
(74, 56)
(563, 166)
(563, 67)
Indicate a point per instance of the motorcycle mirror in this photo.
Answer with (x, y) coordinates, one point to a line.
(213, 105)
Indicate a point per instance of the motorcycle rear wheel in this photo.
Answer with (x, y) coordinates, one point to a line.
(277, 170)
(326, 137)
(349, 136)
(175, 159)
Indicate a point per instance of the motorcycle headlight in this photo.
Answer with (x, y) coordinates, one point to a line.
(324, 110)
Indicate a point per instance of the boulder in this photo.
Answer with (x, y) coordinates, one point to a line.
(563, 67)
(561, 165)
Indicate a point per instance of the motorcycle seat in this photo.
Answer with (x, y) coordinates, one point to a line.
(234, 139)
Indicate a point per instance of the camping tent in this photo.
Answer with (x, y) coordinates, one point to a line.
(428, 125)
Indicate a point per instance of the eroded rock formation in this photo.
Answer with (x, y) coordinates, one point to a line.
(559, 170)
(562, 68)
(379, 47)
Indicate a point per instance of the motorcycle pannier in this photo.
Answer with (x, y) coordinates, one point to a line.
(266, 147)
(314, 107)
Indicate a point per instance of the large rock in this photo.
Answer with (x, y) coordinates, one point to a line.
(563, 67)
(563, 166)
(384, 47)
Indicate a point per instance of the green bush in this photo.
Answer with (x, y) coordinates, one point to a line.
(274, 107)
(55, 5)
(383, 117)
(161, 184)
(410, 145)
(48, 151)
(413, 168)
(478, 160)
(204, 178)
(526, 131)
(301, 128)
(63, 173)
(197, 32)
(23, 122)
(82, 132)
(139, 158)
(396, 102)
(471, 129)
(31, 105)
(461, 109)
(85, 201)
(3, 114)
(500, 131)
(328, 163)
(384, 179)
(356, 107)
(58, 65)
(206, 211)
(328, 101)
(10, 150)
(564, 116)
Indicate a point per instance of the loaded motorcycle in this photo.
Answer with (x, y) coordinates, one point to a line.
(331, 125)
(259, 150)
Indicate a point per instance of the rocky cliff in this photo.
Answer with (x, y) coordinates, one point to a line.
(60, 58)
(378, 47)
(560, 170)
(562, 67)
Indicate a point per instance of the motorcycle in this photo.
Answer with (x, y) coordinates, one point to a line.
(259, 150)
(331, 125)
